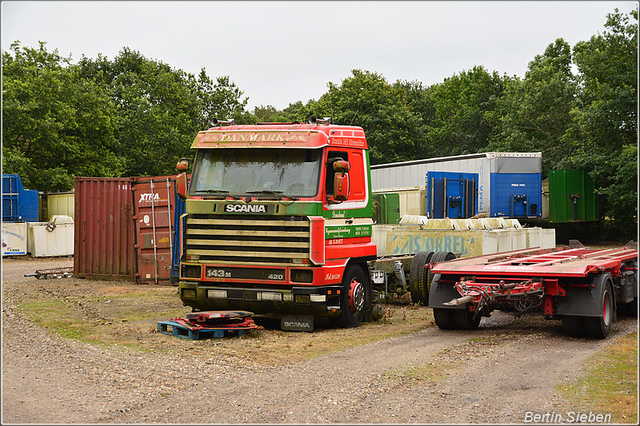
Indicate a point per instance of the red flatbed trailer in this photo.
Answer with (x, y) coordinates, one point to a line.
(584, 288)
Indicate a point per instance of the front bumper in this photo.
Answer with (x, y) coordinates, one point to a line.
(319, 301)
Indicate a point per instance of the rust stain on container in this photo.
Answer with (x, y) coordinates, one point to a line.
(154, 208)
(104, 229)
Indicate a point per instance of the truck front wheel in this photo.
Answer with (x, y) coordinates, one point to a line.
(355, 298)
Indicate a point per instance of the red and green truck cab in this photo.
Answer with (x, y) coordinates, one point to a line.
(278, 221)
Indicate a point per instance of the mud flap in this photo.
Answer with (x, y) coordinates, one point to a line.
(441, 293)
(584, 301)
(297, 323)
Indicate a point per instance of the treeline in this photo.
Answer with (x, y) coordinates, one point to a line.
(133, 116)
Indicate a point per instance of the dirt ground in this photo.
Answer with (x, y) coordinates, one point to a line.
(403, 369)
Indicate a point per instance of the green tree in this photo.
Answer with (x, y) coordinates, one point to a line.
(605, 130)
(534, 113)
(222, 99)
(56, 123)
(161, 109)
(158, 110)
(366, 99)
(458, 112)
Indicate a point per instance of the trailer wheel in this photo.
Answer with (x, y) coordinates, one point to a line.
(573, 326)
(355, 298)
(444, 318)
(464, 319)
(419, 283)
(600, 327)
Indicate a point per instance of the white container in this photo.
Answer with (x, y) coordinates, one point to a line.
(61, 204)
(14, 238)
(53, 238)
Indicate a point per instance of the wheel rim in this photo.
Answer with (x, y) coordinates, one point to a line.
(606, 310)
(356, 296)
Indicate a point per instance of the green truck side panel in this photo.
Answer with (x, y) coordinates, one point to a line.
(347, 231)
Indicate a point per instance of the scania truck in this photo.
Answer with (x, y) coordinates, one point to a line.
(278, 221)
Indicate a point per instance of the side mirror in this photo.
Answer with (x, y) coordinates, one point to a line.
(181, 179)
(181, 185)
(341, 180)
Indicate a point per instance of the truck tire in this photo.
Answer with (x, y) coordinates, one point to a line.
(355, 298)
(442, 256)
(444, 318)
(419, 283)
(600, 327)
(464, 319)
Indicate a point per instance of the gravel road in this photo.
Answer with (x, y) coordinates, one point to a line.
(495, 375)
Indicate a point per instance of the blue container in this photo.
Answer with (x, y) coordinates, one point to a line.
(451, 194)
(18, 204)
(516, 195)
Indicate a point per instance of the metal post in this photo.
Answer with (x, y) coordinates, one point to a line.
(153, 224)
(445, 205)
(169, 208)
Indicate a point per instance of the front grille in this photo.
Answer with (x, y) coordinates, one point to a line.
(248, 239)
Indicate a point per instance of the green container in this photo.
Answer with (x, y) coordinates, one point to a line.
(386, 208)
(572, 197)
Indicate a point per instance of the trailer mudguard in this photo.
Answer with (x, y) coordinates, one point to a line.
(443, 291)
(585, 301)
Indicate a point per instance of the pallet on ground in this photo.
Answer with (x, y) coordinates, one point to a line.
(179, 330)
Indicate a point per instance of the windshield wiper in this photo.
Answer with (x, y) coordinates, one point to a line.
(221, 192)
(274, 193)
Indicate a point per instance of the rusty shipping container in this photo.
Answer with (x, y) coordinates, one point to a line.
(154, 204)
(104, 230)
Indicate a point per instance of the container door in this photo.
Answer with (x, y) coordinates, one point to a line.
(451, 195)
(390, 207)
(154, 205)
(436, 194)
(104, 231)
(10, 200)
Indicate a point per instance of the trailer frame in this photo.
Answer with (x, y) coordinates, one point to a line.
(584, 288)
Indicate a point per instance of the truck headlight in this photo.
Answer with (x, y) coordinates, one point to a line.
(271, 295)
(318, 298)
(217, 294)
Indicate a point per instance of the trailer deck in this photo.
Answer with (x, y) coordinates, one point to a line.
(558, 262)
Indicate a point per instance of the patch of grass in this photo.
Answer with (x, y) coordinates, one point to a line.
(126, 315)
(610, 384)
(432, 371)
(56, 317)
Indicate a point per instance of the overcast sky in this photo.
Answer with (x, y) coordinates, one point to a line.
(282, 52)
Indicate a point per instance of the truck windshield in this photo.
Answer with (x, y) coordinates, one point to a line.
(237, 172)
